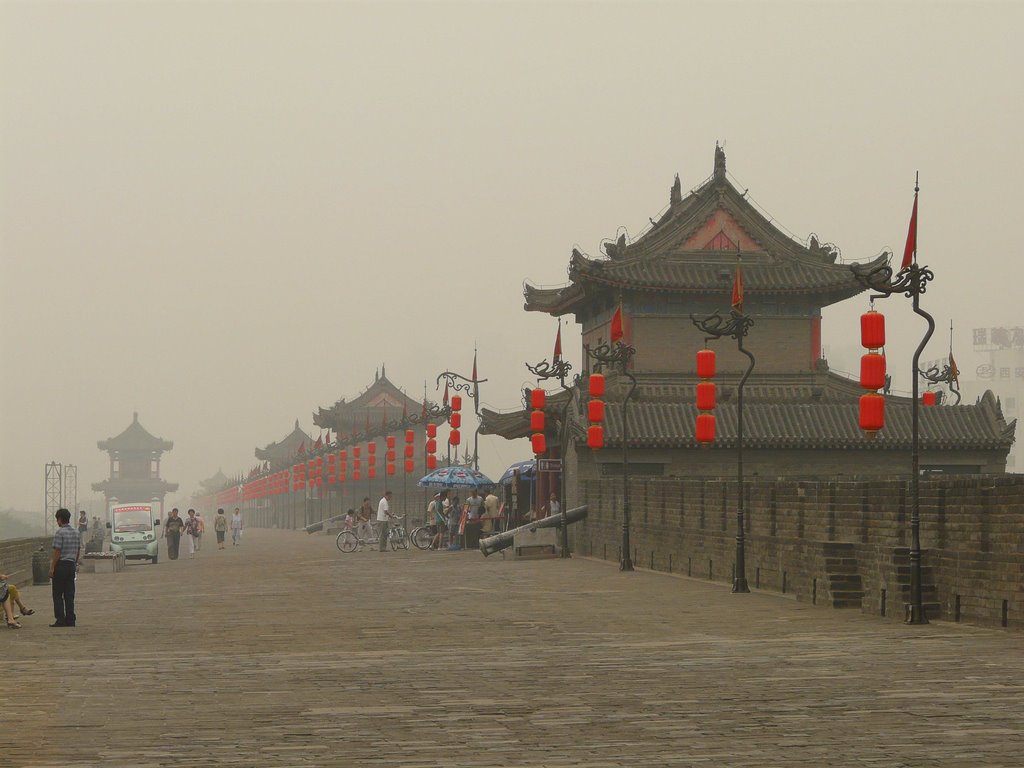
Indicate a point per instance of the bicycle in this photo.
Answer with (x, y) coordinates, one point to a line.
(423, 536)
(349, 539)
(397, 536)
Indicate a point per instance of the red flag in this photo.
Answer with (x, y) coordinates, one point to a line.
(910, 251)
(476, 386)
(737, 290)
(319, 442)
(954, 372)
(558, 343)
(444, 401)
(616, 329)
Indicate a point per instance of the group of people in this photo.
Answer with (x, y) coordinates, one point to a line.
(359, 521)
(193, 527)
(64, 560)
(444, 514)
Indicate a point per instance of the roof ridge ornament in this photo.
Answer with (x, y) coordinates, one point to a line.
(676, 195)
(719, 163)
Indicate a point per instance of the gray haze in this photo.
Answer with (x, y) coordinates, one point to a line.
(223, 215)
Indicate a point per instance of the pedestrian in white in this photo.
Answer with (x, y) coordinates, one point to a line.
(384, 519)
(192, 531)
(236, 528)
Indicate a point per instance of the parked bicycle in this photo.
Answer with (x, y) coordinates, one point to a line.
(351, 539)
(423, 536)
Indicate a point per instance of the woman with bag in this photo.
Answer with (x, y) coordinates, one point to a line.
(192, 531)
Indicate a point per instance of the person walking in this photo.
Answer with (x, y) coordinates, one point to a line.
(83, 524)
(192, 531)
(384, 519)
(491, 512)
(236, 528)
(67, 550)
(220, 527)
(438, 518)
(202, 529)
(172, 532)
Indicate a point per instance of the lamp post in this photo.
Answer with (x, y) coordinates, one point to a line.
(735, 326)
(559, 369)
(912, 281)
(472, 389)
(620, 354)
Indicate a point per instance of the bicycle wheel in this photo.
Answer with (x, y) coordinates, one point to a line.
(399, 538)
(347, 541)
(421, 537)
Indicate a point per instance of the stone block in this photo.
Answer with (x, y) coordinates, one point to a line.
(537, 543)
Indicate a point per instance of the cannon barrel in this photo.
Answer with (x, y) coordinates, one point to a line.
(320, 525)
(501, 541)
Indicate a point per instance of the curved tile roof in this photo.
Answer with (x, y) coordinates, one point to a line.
(135, 439)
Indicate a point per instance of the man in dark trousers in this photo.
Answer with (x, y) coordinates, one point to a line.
(67, 550)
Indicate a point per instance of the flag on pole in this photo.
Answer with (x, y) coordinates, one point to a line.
(444, 401)
(476, 385)
(319, 443)
(737, 290)
(954, 372)
(558, 343)
(616, 329)
(910, 251)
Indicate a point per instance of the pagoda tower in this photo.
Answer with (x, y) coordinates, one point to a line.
(135, 466)
(801, 420)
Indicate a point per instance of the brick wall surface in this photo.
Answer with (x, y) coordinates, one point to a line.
(839, 543)
(16, 557)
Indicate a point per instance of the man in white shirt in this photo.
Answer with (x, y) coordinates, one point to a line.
(384, 519)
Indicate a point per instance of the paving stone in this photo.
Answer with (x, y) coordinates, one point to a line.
(285, 652)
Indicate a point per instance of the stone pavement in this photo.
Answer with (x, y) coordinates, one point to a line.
(285, 652)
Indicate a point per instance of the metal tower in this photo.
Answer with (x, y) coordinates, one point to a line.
(54, 495)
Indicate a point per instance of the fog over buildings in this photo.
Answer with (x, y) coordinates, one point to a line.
(225, 215)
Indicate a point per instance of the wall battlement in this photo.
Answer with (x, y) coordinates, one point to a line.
(838, 543)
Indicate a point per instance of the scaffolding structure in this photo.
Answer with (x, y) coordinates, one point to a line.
(71, 489)
(54, 494)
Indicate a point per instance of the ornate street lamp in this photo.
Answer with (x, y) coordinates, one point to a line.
(620, 354)
(912, 281)
(459, 383)
(735, 326)
(544, 371)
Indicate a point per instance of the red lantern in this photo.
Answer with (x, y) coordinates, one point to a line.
(356, 474)
(371, 448)
(595, 411)
(596, 386)
(706, 364)
(537, 399)
(539, 442)
(432, 445)
(410, 436)
(409, 451)
(431, 429)
(390, 455)
(431, 462)
(391, 468)
(706, 428)
(343, 456)
(410, 465)
(371, 461)
(872, 330)
(536, 421)
(455, 420)
(872, 412)
(454, 438)
(390, 440)
(872, 370)
(928, 398)
(356, 451)
(456, 403)
(595, 435)
(372, 472)
(706, 391)
(356, 463)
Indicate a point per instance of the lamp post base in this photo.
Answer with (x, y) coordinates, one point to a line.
(740, 585)
(626, 565)
(916, 615)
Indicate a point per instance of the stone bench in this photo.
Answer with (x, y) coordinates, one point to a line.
(103, 562)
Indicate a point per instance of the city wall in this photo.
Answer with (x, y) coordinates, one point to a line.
(16, 557)
(838, 543)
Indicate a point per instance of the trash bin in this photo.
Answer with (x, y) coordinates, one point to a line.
(41, 566)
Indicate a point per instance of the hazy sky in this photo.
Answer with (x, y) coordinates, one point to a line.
(223, 215)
